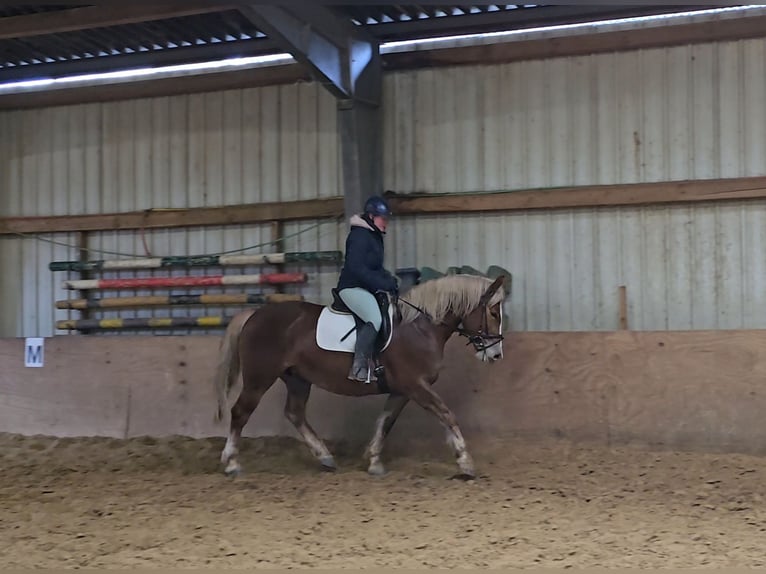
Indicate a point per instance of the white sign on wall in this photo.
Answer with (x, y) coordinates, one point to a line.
(33, 352)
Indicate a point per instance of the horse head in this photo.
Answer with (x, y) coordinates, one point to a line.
(483, 325)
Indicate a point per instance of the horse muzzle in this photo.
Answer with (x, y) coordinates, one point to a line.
(488, 352)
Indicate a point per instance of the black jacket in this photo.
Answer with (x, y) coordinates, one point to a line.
(363, 265)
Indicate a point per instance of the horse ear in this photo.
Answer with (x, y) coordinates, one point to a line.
(492, 289)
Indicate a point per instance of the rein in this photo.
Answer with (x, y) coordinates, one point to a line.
(418, 309)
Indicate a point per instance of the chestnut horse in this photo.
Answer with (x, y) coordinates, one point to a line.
(278, 340)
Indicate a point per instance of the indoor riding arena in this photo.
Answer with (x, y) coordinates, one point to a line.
(177, 178)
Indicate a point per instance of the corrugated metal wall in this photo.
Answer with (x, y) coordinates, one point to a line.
(269, 144)
(676, 113)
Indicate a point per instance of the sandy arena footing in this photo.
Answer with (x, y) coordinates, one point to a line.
(163, 502)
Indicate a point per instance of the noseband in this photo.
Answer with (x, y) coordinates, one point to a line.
(482, 340)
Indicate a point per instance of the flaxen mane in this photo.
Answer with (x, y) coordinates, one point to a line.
(457, 293)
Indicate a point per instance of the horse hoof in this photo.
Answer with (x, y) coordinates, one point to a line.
(465, 476)
(328, 464)
(376, 470)
(232, 470)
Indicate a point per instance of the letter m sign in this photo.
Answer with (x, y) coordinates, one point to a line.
(33, 352)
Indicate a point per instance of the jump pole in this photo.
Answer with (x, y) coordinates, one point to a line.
(149, 323)
(162, 300)
(208, 280)
(198, 261)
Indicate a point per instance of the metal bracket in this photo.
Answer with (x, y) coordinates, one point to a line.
(347, 61)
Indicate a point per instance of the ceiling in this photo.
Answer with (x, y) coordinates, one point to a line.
(42, 41)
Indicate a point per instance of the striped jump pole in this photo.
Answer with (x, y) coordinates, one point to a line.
(148, 323)
(208, 280)
(162, 300)
(198, 261)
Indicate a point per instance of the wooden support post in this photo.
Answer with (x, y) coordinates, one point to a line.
(359, 124)
(277, 230)
(84, 255)
(346, 60)
(623, 307)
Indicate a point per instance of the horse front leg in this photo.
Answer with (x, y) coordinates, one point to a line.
(425, 396)
(391, 411)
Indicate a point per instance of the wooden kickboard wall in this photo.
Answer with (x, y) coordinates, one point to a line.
(698, 390)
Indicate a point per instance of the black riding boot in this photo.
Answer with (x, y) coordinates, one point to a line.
(365, 341)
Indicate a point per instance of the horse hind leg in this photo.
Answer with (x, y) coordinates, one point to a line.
(253, 390)
(298, 391)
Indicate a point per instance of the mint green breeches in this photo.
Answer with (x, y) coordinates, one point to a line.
(363, 303)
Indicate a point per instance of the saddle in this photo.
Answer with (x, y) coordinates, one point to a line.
(337, 325)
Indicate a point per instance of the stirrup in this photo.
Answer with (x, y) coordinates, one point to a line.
(359, 373)
(372, 376)
(368, 377)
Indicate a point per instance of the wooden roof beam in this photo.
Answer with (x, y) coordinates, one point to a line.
(661, 36)
(60, 21)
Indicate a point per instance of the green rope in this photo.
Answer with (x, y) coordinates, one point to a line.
(134, 256)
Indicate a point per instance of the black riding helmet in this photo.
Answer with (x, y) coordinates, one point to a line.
(376, 205)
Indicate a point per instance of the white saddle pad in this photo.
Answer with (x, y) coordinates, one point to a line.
(333, 326)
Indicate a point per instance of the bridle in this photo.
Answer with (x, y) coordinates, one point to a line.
(481, 340)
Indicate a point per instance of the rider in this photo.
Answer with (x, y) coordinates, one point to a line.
(363, 274)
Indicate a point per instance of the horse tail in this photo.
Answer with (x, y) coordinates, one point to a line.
(228, 367)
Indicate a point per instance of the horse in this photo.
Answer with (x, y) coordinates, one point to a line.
(279, 340)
